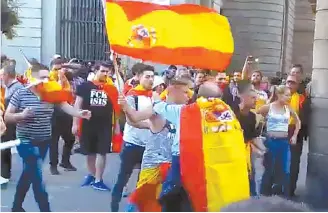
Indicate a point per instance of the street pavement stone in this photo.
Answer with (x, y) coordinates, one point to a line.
(66, 195)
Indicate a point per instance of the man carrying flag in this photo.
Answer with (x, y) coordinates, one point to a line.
(100, 98)
(218, 173)
(157, 156)
(134, 138)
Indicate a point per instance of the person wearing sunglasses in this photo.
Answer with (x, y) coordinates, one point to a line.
(297, 103)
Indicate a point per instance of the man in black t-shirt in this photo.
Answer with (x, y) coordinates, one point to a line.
(247, 120)
(96, 133)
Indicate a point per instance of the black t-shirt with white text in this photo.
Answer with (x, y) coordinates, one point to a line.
(96, 100)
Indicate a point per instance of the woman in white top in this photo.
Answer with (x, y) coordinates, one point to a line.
(277, 158)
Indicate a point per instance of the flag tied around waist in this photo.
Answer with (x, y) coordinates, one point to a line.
(185, 34)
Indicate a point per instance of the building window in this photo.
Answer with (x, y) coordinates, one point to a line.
(82, 31)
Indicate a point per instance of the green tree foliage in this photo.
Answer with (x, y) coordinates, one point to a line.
(9, 17)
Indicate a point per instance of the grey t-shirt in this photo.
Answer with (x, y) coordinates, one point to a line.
(132, 134)
(11, 89)
(158, 148)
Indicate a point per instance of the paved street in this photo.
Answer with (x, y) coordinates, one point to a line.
(66, 195)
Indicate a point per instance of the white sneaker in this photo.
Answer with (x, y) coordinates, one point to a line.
(3, 180)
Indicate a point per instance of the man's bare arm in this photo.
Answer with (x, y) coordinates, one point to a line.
(11, 116)
(136, 116)
(77, 106)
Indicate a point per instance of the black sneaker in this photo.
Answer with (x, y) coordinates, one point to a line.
(54, 170)
(18, 209)
(68, 167)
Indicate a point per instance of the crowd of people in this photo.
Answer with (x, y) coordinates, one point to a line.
(172, 124)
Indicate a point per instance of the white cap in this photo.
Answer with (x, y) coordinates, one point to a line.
(158, 80)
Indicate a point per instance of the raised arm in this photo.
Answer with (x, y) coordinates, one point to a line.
(245, 71)
(133, 115)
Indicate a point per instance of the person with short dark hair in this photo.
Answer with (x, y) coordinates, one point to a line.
(11, 86)
(100, 98)
(33, 118)
(298, 72)
(247, 120)
(299, 104)
(134, 138)
(61, 122)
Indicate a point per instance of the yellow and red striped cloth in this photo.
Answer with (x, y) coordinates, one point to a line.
(185, 34)
(140, 91)
(217, 175)
(145, 197)
(49, 91)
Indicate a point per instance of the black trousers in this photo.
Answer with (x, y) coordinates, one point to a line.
(296, 152)
(61, 127)
(6, 163)
(10, 134)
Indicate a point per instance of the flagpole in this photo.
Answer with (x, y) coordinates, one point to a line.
(25, 58)
(118, 76)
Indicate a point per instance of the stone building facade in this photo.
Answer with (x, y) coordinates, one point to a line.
(278, 32)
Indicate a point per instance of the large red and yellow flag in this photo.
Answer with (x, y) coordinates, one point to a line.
(218, 174)
(185, 34)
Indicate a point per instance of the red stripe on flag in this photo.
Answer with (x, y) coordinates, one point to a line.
(192, 157)
(132, 13)
(189, 56)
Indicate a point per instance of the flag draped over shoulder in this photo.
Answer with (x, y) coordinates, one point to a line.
(49, 91)
(218, 174)
(112, 93)
(140, 91)
(184, 34)
(53, 92)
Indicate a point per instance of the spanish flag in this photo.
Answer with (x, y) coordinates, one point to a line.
(53, 92)
(140, 91)
(218, 174)
(2, 98)
(186, 34)
(145, 197)
(49, 91)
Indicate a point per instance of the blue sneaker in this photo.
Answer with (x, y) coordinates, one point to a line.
(100, 186)
(88, 180)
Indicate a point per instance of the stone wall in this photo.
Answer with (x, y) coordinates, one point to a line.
(288, 44)
(303, 35)
(258, 28)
